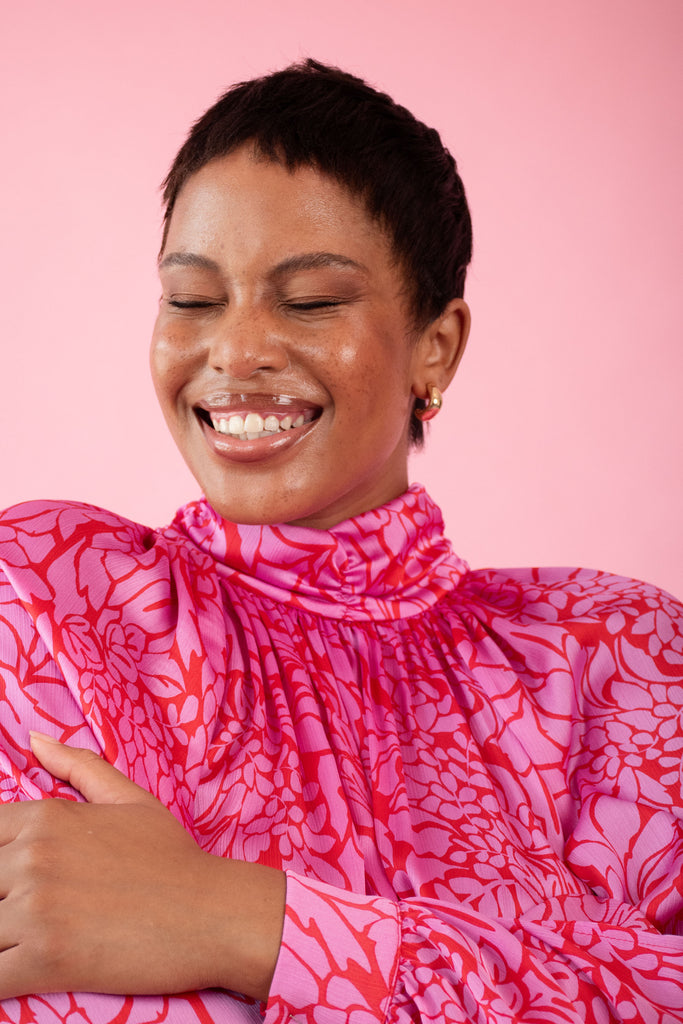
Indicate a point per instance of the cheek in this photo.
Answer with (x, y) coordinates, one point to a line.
(373, 398)
(168, 362)
(371, 358)
(381, 374)
(159, 363)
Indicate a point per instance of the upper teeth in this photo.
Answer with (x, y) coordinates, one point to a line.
(253, 425)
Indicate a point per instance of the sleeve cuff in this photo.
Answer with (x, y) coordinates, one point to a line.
(338, 959)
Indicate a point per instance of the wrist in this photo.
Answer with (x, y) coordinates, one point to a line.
(244, 909)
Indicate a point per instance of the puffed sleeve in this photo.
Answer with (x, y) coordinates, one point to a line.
(34, 694)
(613, 950)
(363, 959)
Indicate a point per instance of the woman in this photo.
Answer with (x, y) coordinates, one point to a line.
(398, 789)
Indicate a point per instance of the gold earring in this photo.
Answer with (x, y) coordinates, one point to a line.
(432, 404)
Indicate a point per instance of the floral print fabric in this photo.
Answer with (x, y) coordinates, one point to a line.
(473, 779)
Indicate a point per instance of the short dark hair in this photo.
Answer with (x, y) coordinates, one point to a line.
(310, 114)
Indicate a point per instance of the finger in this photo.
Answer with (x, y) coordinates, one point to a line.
(98, 781)
(13, 979)
(13, 820)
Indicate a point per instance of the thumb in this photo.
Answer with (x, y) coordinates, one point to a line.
(98, 781)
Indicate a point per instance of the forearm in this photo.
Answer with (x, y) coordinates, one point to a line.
(122, 899)
(235, 922)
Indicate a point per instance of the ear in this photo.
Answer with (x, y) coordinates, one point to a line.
(440, 348)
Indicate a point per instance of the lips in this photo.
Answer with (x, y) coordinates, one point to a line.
(241, 419)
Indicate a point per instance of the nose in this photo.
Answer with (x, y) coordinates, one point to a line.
(245, 344)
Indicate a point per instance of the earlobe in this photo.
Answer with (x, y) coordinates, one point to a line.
(441, 348)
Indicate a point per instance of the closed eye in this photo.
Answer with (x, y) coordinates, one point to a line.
(191, 303)
(315, 304)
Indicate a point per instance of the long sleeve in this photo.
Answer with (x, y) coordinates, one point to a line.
(610, 948)
(35, 695)
(472, 779)
(363, 959)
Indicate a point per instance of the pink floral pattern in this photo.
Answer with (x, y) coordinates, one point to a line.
(473, 779)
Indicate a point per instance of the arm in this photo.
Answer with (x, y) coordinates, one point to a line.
(418, 961)
(203, 921)
(613, 951)
(441, 960)
(168, 916)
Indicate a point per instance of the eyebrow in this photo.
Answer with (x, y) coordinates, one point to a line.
(316, 261)
(188, 259)
(303, 261)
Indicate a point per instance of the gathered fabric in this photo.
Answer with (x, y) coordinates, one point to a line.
(472, 778)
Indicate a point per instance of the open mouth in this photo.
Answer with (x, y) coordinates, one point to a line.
(251, 425)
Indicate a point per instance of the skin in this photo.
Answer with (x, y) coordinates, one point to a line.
(246, 311)
(169, 917)
(337, 337)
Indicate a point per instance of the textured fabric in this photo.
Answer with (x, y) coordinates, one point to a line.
(473, 779)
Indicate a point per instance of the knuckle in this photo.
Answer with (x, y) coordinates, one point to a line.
(43, 817)
(36, 861)
(45, 930)
(47, 953)
(85, 763)
(35, 909)
(85, 755)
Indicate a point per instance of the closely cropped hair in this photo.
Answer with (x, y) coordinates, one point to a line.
(312, 115)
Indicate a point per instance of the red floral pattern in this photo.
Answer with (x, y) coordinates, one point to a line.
(473, 779)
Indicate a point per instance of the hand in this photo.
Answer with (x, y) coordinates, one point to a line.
(114, 896)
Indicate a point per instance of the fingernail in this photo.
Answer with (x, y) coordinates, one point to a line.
(42, 736)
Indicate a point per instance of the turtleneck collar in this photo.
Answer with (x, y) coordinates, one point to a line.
(391, 562)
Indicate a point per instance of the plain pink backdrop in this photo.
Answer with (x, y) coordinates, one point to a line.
(560, 442)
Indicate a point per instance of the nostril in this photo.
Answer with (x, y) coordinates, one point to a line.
(242, 358)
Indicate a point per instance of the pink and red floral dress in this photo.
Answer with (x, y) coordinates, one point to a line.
(473, 779)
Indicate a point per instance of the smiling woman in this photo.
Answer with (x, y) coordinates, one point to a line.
(279, 289)
(341, 776)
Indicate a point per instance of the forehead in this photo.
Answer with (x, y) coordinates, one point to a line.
(244, 204)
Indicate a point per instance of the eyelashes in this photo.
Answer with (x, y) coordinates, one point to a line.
(314, 304)
(306, 306)
(191, 304)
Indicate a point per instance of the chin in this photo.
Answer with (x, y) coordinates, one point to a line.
(259, 511)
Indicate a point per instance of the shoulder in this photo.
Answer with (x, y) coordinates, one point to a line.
(81, 572)
(65, 550)
(46, 528)
(583, 618)
(616, 642)
(604, 654)
(579, 599)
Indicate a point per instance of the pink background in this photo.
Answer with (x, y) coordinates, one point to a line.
(561, 438)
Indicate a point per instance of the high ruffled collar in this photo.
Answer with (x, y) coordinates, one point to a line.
(389, 563)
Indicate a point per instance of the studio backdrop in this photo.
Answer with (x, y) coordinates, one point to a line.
(561, 438)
